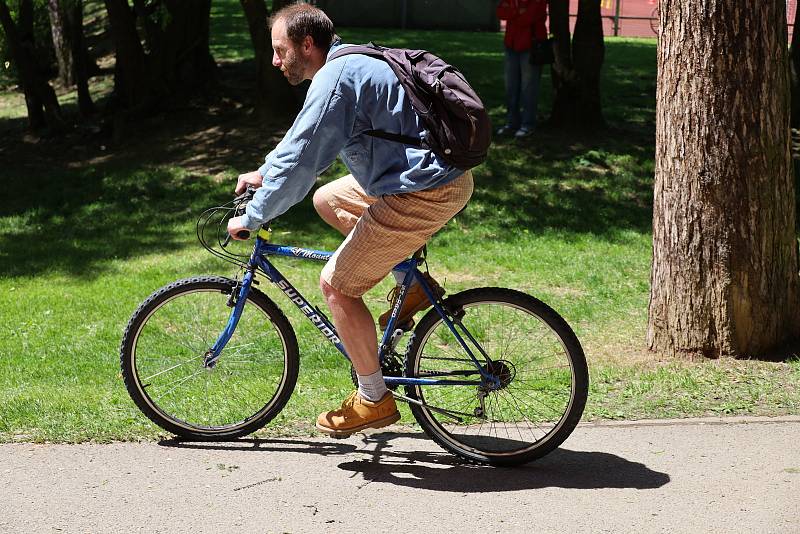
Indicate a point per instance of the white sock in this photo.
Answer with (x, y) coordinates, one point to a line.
(372, 387)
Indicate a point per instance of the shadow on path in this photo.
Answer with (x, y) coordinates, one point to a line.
(381, 461)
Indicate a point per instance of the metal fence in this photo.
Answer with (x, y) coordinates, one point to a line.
(627, 18)
(639, 18)
(413, 14)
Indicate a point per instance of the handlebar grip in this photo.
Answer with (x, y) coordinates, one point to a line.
(243, 234)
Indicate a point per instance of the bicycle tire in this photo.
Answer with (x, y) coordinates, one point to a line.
(261, 359)
(551, 406)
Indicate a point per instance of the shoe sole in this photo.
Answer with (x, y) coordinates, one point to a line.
(341, 434)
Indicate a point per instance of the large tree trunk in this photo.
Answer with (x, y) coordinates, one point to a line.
(181, 63)
(177, 64)
(274, 95)
(66, 24)
(725, 259)
(43, 107)
(82, 64)
(61, 44)
(131, 83)
(577, 66)
(795, 70)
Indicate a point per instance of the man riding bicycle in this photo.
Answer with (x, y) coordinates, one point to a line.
(394, 199)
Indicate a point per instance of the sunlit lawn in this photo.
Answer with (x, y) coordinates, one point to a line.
(567, 220)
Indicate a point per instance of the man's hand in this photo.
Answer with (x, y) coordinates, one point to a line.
(251, 178)
(235, 226)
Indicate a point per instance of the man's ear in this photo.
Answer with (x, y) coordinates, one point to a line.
(308, 45)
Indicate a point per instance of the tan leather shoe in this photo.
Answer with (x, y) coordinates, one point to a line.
(357, 414)
(416, 301)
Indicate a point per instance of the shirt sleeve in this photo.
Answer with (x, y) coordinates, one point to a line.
(320, 131)
(267, 163)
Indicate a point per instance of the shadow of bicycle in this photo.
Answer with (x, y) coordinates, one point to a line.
(386, 458)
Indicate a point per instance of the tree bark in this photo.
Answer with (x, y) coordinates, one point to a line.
(177, 64)
(131, 83)
(61, 44)
(577, 66)
(795, 70)
(81, 62)
(43, 107)
(562, 71)
(66, 24)
(724, 277)
(588, 53)
(274, 95)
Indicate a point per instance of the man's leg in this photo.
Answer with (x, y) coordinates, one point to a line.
(529, 83)
(513, 85)
(340, 204)
(356, 328)
(392, 228)
(372, 405)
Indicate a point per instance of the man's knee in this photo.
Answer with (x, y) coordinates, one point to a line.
(320, 200)
(329, 292)
(333, 296)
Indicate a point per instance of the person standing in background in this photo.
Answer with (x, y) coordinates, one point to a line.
(525, 23)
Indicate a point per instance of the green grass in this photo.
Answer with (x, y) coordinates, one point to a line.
(88, 230)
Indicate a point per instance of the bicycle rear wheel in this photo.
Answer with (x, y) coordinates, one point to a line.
(163, 351)
(528, 347)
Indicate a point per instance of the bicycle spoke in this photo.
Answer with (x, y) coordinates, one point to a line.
(248, 386)
(169, 369)
(178, 384)
(529, 360)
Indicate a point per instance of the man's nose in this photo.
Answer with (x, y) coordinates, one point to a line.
(276, 61)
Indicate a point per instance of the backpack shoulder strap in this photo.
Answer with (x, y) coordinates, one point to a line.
(375, 51)
(370, 49)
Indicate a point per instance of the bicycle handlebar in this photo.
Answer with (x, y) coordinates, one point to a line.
(240, 203)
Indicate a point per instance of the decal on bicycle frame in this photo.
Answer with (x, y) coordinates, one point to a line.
(315, 318)
(310, 254)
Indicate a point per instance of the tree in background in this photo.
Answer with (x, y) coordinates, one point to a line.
(724, 278)
(162, 53)
(795, 70)
(576, 69)
(66, 23)
(274, 95)
(40, 98)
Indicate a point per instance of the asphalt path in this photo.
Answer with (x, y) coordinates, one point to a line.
(693, 476)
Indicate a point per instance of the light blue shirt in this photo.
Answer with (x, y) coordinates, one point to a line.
(348, 96)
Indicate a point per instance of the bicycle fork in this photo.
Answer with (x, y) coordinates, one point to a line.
(237, 301)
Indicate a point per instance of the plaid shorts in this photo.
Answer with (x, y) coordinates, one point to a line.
(385, 230)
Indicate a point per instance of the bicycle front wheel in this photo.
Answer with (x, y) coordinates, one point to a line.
(164, 348)
(538, 381)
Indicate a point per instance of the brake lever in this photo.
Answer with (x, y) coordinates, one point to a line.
(240, 203)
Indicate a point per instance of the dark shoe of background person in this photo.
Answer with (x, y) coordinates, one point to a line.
(523, 132)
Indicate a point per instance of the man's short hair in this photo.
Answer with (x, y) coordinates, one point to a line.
(303, 20)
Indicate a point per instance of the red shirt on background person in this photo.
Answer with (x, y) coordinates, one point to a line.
(525, 19)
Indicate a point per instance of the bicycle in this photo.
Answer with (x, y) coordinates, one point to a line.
(492, 375)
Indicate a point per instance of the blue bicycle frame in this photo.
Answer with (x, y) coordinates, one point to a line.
(259, 260)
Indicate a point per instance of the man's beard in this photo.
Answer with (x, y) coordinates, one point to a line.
(295, 71)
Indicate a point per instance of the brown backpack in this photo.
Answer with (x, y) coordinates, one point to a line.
(458, 127)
